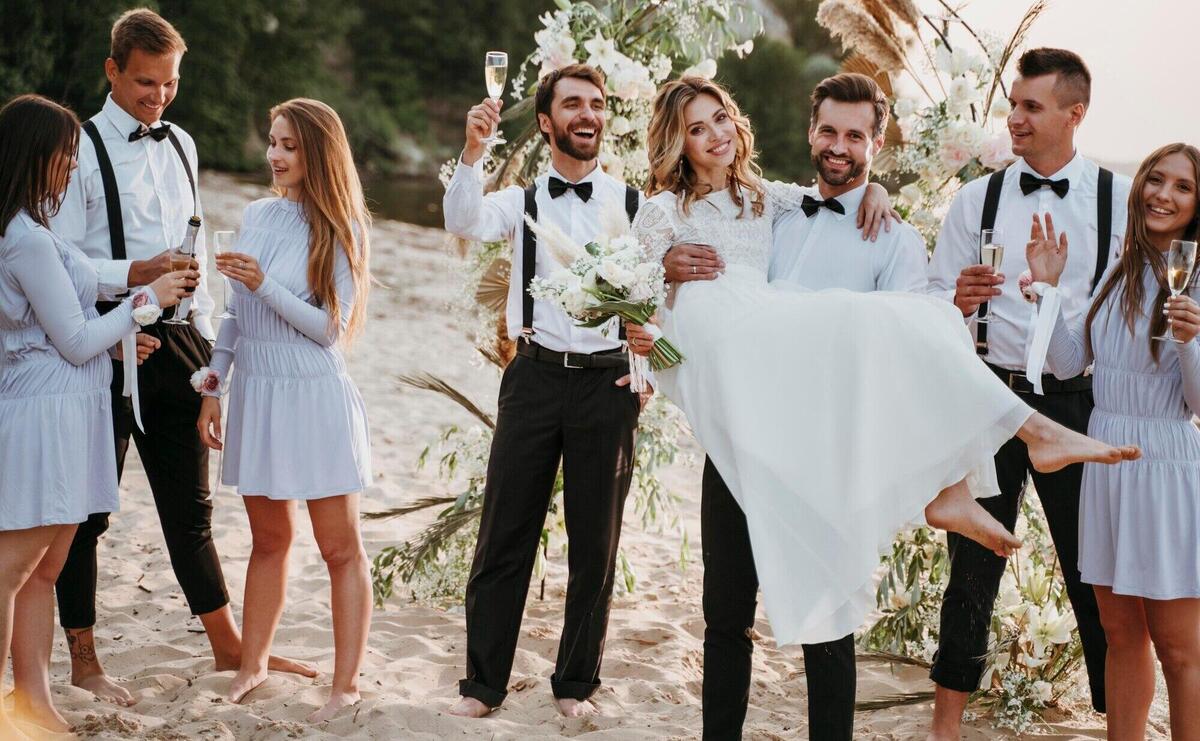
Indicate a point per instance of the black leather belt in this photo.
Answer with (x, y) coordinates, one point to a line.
(1016, 381)
(614, 358)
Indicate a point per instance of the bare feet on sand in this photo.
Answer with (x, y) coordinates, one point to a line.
(274, 663)
(8, 730)
(105, 688)
(337, 701)
(571, 708)
(957, 511)
(40, 713)
(243, 684)
(469, 707)
(1053, 447)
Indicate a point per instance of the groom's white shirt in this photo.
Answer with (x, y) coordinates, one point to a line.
(500, 216)
(826, 250)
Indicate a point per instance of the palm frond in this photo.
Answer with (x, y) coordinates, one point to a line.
(492, 291)
(430, 382)
(892, 701)
(408, 509)
(891, 658)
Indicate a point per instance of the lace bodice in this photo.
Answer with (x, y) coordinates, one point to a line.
(714, 221)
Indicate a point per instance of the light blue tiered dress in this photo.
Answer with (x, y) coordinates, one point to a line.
(297, 425)
(1139, 522)
(57, 458)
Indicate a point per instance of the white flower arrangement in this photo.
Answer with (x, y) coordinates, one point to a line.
(145, 310)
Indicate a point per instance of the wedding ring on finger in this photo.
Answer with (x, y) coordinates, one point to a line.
(693, 270)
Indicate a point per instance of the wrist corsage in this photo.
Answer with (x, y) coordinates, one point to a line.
(206, 381)
(145, 310)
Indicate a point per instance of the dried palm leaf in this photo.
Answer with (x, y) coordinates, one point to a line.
(430, 382)
(856, 62)
(891, 658)
(492, 291)
(892, 701)
(859, 32)
(407, 509)
(885, 161)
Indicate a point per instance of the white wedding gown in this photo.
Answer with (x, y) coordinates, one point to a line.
(834, 417)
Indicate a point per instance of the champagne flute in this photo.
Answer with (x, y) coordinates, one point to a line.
(1181, 260)
(180, 260)
(495, 72)
(991, 253)
(222, 241)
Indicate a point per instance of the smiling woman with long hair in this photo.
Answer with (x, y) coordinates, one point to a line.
(1139, 525)
(57, 463)
(835, 418)
(297, 427)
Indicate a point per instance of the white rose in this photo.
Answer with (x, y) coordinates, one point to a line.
(706, 68)
(617, 276)
(905, 107)
(620, 126)
(997, 152)
(629, 80)
(1001, 108)
(147, 315)
(612, 164)
(558, 49)
(961, 95)
(911, 194)
(1043, 691)
(953, 156)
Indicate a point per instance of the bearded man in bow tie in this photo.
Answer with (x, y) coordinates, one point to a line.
(1049, 100)
(564, 397)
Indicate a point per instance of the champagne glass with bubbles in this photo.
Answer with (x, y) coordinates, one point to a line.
(495, 72)
(1181, 261)
(222, 242)
(991, 252)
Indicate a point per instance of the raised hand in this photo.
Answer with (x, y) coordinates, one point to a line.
(1046, 252)
(685, 262)
(482, 120)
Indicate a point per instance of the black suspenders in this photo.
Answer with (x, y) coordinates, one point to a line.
(529, 255)
(991, 204)
(112, 196)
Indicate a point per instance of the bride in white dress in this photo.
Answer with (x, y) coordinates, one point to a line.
(835, 418)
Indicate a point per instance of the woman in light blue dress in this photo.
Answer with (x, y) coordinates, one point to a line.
(1139, 523)
(57, 459)
(297, 427)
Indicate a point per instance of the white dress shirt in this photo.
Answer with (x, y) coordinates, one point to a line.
(500, 216)
(1074, 214)
(826, 250)
(156, 203)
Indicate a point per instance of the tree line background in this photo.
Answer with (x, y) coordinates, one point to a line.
(400, 72)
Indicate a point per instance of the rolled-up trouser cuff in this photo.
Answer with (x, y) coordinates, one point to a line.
(572, 690)
(486, 695)
(961, 678)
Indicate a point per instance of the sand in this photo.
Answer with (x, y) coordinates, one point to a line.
(653, 662)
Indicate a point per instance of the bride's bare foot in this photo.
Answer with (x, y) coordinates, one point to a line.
(105, 688)
(337, 701)
(469, 707)
(40, 713)
(244, 683)
(9, 731)
(233, 662)
(1053, 447)
(957, 511)
(572, 708)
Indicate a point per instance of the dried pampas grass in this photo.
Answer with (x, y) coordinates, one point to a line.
(858, 30)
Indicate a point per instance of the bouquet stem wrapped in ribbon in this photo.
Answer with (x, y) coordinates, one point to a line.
(608, 277)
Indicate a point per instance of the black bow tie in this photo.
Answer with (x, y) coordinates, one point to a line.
(811, 205)
(558, 187)
(1031, 182)
(157, 134)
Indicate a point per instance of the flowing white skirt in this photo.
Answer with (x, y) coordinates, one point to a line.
(834, 418)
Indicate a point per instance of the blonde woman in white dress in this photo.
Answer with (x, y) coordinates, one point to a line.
(835, 418)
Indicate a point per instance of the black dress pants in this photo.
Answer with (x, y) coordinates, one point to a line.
(176, 464)
(975, 572)
(549, 413)
(730, 599)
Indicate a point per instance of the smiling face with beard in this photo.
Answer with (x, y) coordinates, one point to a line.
(575, 123)
(843, 143)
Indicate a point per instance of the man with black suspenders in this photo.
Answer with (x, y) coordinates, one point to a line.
(565, 397)
(126, 207)
(1050, 98)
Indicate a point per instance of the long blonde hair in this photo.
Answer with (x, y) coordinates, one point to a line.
(334, 207)
(1139, 251)
(670, 169)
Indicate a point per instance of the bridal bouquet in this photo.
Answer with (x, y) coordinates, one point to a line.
(607, 278)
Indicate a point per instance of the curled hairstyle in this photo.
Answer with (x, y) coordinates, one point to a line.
(142, 28)
(334, 207)
(543, 99)
(851, 87)
(35, 134)
(1074, 83)
(670, 169)
(1140, 250)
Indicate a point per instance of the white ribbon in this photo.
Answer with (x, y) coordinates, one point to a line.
(639, 365)
(129, 352)
(1042, 317)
